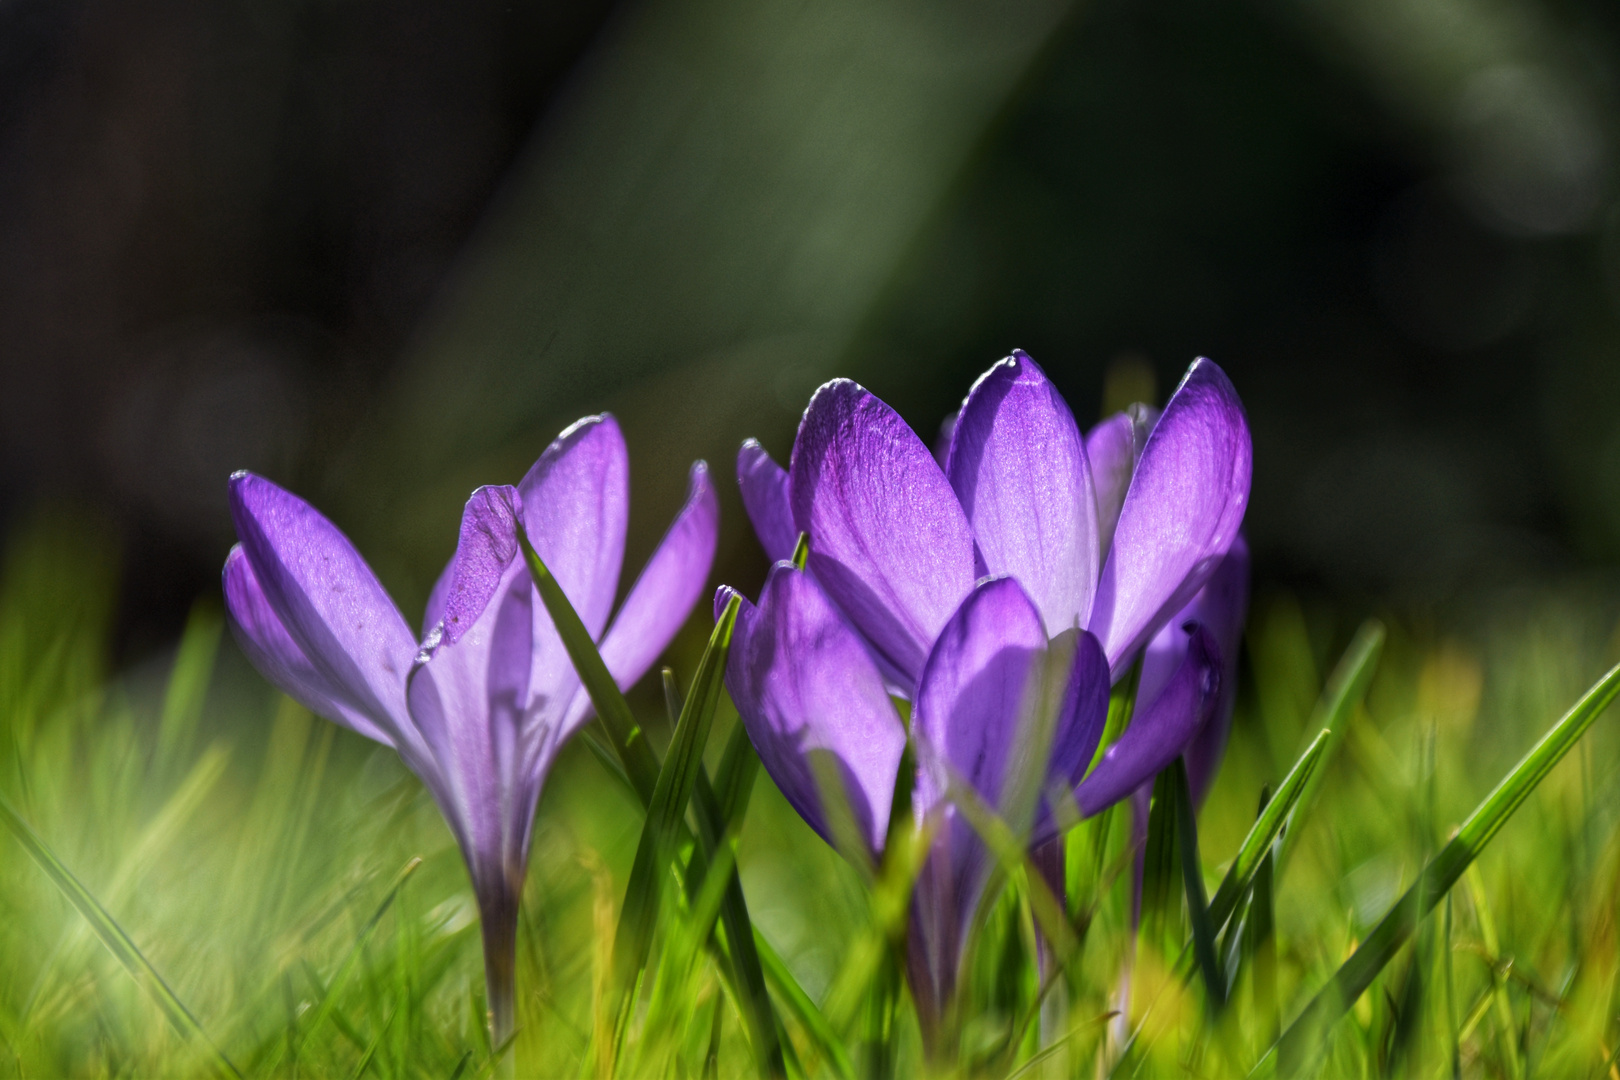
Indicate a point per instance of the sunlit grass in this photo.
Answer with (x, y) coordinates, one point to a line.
(261, 861)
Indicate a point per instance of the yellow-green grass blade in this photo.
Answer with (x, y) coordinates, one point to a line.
(1305, 1035)
(666, 815)
(116, 940)
(1345, 690)
(1257, 844)
(725, 803)
(1121, 706)
(640, 768)
(820, 1033)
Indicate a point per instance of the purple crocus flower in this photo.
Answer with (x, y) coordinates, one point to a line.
(480, 707)
(1113, 532)
(950, 584)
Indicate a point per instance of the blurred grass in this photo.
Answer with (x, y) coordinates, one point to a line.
(256, 856)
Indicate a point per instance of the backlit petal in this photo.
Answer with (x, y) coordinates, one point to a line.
(328, 601)
(805, 684)
(888, 540)
(1159, 732)
(764, 487)
(1018, 465)
(1181, 513)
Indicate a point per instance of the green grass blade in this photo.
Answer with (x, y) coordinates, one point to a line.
(822, 1037)
(719, 815)
(1345, 689)
(1192, 876)
(1159, 868)
(1121, 706)
(666, 813)
(116, 940)
(346, 969)
(188, 683)
(640, 764)
(737, 772)
(1259, 949)
(1307, 1031)
(1257, 845)
(1008, 849)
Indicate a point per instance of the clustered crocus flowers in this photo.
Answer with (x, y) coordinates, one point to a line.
(951, 584)
(480, 705)
(1001, 588)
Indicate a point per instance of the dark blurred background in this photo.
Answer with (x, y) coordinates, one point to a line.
(383, 252)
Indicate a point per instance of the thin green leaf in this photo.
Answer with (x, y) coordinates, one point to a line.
(820, 1033)
(641, 770)
(719, 816)
(1305, 1035)
(1121, 706)
(1010, 852)
(801, 551)
(1345, 689)
(640, 765)
(1259, 947)
(1192, 876)
(1160, 865)
(371, 1050)
(666, 814)
(1257, 844)
(116, 940)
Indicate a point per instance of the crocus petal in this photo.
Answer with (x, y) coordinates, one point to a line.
(1082, 719)
(804, 684)
(662, 596)
(576, 503)
(434, 611)
(484, 553)
(975, 721)
(1112, 450)
(1018, 465)
(973, 697)
(888, 539)
(329, 602)
(764, 487)
(1161, 731)
(1181, 513)
(1222, 605)
(269, 648)
(972, 716)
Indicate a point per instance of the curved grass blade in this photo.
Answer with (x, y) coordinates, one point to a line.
(116, 940)
(1345, 689)
(1257, 845)
(640, 764)
(666, 815)
(727, 806)
(639, 767)
(822, 1037)
(1306, 1034)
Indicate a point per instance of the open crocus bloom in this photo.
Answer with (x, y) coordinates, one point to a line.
(1114, 532)
(480, 707)
(951, 583)
(817, 708)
